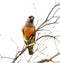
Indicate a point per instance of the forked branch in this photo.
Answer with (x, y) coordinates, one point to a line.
(31, 45)
(48, 60)
(40, 26)
(46, 20)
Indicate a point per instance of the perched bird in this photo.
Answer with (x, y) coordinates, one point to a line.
(29, 33)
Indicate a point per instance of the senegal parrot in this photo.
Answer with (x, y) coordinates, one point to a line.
(29, 32)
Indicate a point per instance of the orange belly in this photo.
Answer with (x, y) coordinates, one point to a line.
(28, 31)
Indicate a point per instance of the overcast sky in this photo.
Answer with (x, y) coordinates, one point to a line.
(13, 14)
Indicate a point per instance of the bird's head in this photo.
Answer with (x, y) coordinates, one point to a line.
(30, 19)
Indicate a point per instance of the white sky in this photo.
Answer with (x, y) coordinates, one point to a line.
(13, 14)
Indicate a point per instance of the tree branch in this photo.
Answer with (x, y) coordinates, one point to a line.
(51, 23)
(47, 17)
(30, 45)
(5, 57)
(45, 36)
(48, 60)
(53, 14)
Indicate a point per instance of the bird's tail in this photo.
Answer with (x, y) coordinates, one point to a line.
(30, 49)
(30, 52)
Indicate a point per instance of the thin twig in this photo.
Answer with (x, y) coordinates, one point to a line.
(48, 60)
(45, 36)
(1, 57)
(54, 14)
(56, 45)
(47, 17)
(53, 57)
(51, 23)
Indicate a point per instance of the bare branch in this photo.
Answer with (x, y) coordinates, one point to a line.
(47, 17)
(42, 61)
(1, 57)
(45, 36)
(51, 23)
(30, 45)
(48, 60)
(19, 54)
(53, 57)
(54, 14)
(56, 45)
(33, 44)
(52, 10)
(14, 43)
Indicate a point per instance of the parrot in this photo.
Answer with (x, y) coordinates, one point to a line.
(29, 32)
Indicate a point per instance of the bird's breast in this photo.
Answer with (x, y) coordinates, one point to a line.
(28, 31)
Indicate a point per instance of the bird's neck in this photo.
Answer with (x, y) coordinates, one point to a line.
(29, 24)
